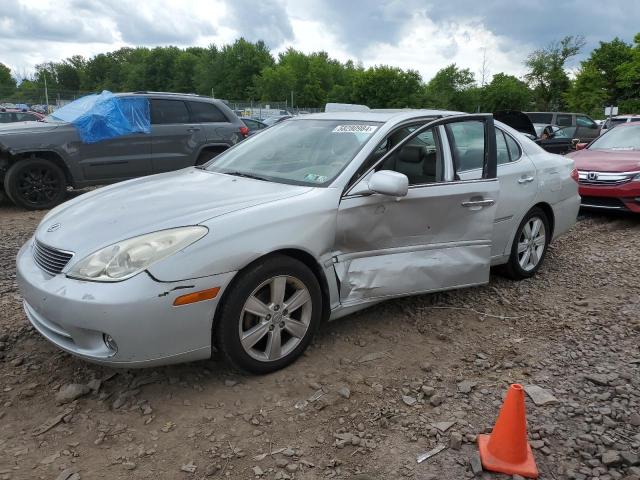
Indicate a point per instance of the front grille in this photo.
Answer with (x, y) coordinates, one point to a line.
(604, 178)
(50, 259)
(603, 202)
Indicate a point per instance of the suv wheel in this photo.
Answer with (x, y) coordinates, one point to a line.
(529, 245)
(270, 315)
(35, 184)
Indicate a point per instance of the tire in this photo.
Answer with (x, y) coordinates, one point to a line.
(256, 289)
(207, 155)
(518, 268)
(35, 184)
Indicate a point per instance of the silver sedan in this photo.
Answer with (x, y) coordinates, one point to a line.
(315, 218)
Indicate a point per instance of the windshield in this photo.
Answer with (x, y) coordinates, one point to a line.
(299, 152)
(621, 138)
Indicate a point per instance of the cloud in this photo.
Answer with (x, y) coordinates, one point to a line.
(261, 20)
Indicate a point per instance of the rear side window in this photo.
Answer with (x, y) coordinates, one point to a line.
(514, 148)
(203, 112)
(502, 150)
(564, 120)
(168, 111)
(538, 117)
(5, 117)
(467, 147)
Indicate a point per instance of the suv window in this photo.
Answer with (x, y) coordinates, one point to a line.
(467, 146)
(204, 112)
(584, 121)
(564, 120)
(25, 117)
(419, 159)
(5, 117)
(168, 111)
(539, 117)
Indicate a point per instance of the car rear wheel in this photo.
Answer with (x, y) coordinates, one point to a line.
(269, 316)
(529, 245)
(35, 184)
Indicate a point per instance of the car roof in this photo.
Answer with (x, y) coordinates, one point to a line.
(561, 113)
(378, 115)
(183, 96)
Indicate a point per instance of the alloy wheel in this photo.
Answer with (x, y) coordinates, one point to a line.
(275, 318)
(531, 243)
(38, 185)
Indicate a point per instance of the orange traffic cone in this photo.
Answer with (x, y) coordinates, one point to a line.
(506, 449)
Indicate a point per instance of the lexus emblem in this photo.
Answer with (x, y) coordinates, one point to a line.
(592, 176)
(54, 227)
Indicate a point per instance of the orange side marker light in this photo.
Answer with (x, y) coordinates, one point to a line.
(194, 297)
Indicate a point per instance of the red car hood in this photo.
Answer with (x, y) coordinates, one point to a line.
(607, 160)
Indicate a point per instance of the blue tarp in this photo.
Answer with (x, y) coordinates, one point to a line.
(102, 116)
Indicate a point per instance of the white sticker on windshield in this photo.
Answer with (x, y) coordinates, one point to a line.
(368, 129)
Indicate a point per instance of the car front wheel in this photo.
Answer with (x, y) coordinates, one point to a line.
(269, 316)
(35, 184)
(529, 245)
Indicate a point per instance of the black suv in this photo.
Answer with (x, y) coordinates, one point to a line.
(40, 160)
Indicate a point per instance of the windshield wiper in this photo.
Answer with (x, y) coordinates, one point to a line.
(246, 175)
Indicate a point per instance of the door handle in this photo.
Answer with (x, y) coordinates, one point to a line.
(522, 180)
(479, 203)
(193, 129)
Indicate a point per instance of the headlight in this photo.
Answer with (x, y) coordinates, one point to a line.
(125, 259)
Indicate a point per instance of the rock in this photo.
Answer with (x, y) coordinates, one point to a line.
(50, 459)
(466, 386)
(455, 441)
(281, 462)
(369, 357)
(634, 419)
(436, 399)
(70, 392)
(409, 400)
(257, 471)
(443, 426)
(426, 367)
(230, 383)
(68, 474)
(611, 458)
(129, 465)
(344, 392)
(629, 458)
(292, 467)
(598, 378)
(189, 468)
(428, 391)
(539, 395)
(476, 465)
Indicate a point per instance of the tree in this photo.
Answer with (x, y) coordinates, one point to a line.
(628, 80)
(7, 82)
(387, 87)
(505, 92)
(547, 76)
(452, 88)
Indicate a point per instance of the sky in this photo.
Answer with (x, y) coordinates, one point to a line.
(424, 35)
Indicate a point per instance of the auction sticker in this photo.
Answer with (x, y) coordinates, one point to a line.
(355, 129)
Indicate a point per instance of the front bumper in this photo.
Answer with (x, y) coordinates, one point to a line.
(624, 197)
(137, 313)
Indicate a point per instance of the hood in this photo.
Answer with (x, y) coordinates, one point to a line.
(27, 127)
(606, 160)
(516, 120)
(148, 204)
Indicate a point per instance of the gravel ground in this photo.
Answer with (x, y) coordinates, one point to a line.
(373, 391)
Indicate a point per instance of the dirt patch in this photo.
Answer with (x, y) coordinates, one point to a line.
(374, 390)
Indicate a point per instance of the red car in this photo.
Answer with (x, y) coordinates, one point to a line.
(609, 169)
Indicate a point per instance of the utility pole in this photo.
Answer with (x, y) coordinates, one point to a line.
(46, 92)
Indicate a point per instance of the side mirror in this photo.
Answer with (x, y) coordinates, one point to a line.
(388, 182)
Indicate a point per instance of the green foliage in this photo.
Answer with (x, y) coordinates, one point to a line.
(7, 82)
(547, 76)
(506, 92)
(452, 88)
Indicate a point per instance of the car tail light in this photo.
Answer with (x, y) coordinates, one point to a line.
(575, 175)
(244, 131)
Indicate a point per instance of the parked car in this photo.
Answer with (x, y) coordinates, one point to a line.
(276, 119)
(609, 123)
(586, 129)
(38, 161)
(553, 139)
(12, 115)
(609, 169)
(315, 218)
(254, 126)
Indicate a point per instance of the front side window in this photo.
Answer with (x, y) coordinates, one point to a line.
(168, 112)
(467, 147)
(621, 138)
(203, 112)
(419, 159)
(299, 152)
(584, 121)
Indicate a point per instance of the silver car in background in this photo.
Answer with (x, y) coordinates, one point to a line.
(315, 218)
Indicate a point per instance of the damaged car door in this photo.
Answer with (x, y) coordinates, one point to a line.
(436, 237)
